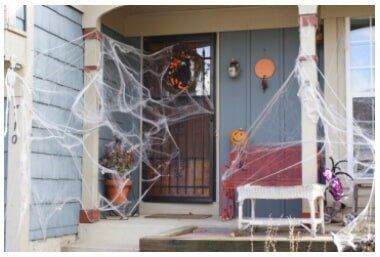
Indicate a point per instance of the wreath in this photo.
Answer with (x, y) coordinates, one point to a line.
(183, 71)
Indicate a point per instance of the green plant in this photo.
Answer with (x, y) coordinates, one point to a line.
(117, 157)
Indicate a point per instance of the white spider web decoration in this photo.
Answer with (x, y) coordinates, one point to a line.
(118, 86)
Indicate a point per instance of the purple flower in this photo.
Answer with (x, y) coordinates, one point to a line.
(327, 174)
(336, 188)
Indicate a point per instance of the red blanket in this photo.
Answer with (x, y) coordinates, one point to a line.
(259, 165)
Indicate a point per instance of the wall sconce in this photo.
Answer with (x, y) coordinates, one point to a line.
(234, 69)
(264, 69)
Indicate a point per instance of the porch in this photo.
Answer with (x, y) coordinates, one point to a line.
(210, 234)
(244, 34)
(196, 179)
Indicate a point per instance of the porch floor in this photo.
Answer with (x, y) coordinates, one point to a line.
(145, 234)
(124, 235)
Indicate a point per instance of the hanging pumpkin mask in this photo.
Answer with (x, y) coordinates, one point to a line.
(239, 137)
(264, 69)
(184, 70)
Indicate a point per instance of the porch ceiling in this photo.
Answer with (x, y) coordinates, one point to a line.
(145, 9)
(184, 19)
(165, 20)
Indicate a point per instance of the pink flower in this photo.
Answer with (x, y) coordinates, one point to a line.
(327, 174)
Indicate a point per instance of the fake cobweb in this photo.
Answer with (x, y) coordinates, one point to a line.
(129, 88)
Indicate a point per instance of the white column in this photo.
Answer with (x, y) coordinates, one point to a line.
(308, 22)
(90, 194)
(19, 151)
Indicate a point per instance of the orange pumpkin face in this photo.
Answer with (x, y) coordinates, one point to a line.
(239, 137)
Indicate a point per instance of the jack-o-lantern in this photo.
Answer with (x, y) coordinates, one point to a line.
(239, 137)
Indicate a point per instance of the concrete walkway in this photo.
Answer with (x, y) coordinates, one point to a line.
(124, 235)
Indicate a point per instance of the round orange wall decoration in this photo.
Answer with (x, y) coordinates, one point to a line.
(264, 68)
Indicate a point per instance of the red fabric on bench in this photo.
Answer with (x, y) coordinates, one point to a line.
(260, 165)
(265, 166)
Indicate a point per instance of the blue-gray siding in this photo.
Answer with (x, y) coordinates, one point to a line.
(55, 170)
(125, 122)
(242, 99)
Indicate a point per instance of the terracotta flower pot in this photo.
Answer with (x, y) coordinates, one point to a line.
(114, 191)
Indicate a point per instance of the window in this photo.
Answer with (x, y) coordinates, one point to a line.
(361, 94)
(202, 44)
(16, 16)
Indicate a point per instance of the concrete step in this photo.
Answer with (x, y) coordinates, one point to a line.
(124, 235)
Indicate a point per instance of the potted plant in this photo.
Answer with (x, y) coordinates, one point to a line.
(117, 158)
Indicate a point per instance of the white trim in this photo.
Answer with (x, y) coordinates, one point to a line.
(363, 67)
(362, 42)
(349, 120)
(362, 94)
(17, 214)
(217, 119)
(371, 44)
(15, 30)
(307, 9)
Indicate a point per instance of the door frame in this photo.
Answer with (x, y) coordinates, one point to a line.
(213, 94)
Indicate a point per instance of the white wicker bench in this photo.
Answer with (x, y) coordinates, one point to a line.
(311, 193)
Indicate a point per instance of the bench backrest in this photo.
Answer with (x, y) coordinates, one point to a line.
(265, 166)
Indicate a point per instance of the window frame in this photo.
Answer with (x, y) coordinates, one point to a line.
(12, 21)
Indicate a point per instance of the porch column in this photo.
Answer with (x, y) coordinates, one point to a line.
(90, 195)
(308, 22)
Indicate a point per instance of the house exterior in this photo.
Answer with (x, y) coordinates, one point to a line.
(232, 33)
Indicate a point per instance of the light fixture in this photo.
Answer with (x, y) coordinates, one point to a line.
(234, 69)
